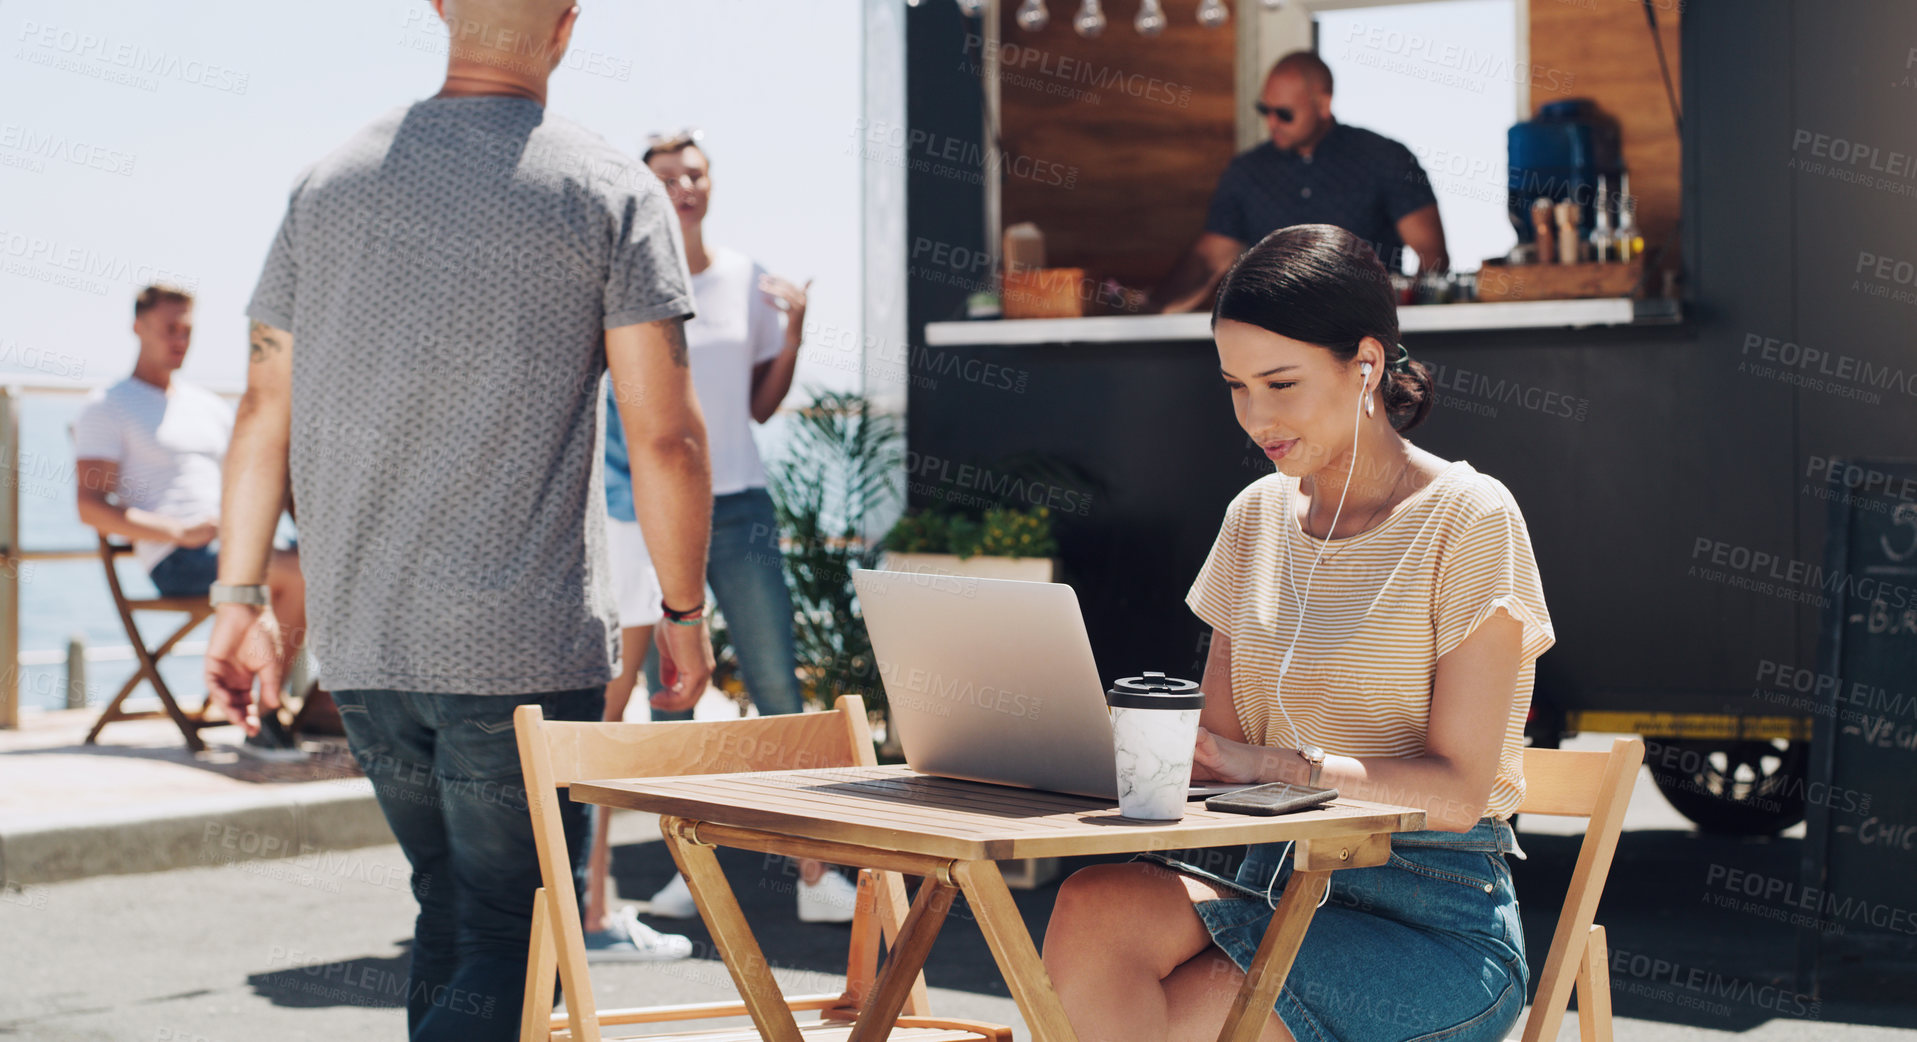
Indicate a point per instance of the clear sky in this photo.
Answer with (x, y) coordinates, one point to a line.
(142, 139)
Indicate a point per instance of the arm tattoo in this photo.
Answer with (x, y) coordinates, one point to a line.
(676, 339)
(266, 340)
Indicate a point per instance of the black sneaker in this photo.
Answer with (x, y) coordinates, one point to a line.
(273, 743)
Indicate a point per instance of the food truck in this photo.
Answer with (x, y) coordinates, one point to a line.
(1677, 443)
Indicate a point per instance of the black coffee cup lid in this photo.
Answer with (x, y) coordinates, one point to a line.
(1154, 691)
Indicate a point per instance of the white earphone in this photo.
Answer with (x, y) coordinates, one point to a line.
(1277, 687)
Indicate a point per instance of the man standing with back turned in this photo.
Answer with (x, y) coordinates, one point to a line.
(456, 278)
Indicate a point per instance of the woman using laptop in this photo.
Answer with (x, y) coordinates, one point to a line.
(1376, 616)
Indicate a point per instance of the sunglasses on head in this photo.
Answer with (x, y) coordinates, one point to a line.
(1284, 113)
(674, 140)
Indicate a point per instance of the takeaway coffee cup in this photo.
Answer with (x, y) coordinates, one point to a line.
(1154, 725)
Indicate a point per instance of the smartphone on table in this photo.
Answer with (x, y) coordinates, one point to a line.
(1275, 798)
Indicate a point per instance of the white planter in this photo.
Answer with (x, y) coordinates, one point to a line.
(1029, 569)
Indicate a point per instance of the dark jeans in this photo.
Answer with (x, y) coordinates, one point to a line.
(445, 769)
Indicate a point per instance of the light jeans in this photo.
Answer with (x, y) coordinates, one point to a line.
(747, 576)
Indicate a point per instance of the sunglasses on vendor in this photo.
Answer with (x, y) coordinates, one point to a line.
(1283, 112)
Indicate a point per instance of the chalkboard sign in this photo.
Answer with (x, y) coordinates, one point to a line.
(1859, 884)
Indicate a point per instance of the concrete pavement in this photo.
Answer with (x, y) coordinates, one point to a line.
(232, 948)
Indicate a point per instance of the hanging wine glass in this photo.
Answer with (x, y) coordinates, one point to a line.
(1090, 21)
(971, 8)
(1213, 14)
(1032, 16)
(1151, 18)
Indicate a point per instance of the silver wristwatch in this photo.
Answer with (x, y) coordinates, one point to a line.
(1316, 758)
(253, 594)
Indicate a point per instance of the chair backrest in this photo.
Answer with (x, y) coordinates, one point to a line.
(585, 751)
(108, 551)
(555, 754)
(1585, 784)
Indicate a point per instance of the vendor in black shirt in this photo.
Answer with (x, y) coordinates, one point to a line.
(1314, 170)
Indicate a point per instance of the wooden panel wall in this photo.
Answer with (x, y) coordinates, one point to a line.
(1605, 47)
(1113, 145)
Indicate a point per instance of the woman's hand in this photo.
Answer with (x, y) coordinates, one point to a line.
(1223, 760)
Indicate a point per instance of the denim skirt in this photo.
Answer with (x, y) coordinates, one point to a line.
(1426, 946)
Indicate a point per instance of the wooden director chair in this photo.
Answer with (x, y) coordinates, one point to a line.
(556, 754)
(1594, 785)
(196, 610)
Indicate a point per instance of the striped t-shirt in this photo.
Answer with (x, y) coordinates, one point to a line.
(1384, 605)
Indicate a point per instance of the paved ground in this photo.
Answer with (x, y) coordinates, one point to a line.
(314, 948)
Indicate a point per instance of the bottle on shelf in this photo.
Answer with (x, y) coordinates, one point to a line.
(1567, 239)
(1630, 244)
(1541, 227)
(1601, 237)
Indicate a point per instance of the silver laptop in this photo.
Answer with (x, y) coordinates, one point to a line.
(992, 680)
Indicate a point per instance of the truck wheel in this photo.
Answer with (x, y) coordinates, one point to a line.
(1742, 788)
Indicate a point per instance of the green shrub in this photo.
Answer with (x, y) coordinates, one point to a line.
(1003, 532)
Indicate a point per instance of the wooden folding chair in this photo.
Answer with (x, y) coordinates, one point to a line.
(556, 754)
(1590, 785)
(196, 609)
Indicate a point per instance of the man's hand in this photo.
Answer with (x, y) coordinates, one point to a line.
(1223, 760)
(685, 665)
(198, 534)
(791, 299)
(245, 644)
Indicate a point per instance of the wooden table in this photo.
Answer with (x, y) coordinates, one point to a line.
(951, 833)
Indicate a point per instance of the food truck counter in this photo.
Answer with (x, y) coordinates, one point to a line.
(1412, 318)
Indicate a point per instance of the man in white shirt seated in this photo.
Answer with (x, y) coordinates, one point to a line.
(149, 451)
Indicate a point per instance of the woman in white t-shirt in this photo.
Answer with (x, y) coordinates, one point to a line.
(743, 344)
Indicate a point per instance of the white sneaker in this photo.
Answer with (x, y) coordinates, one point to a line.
(626, 939)
(830, 900)
(674, 901)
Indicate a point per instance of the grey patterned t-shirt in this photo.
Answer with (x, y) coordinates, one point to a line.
(447, 275)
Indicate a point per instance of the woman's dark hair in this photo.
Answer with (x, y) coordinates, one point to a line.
(1323, 285)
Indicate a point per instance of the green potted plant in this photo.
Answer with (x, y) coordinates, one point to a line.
(1004, 543)
(839, 469)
